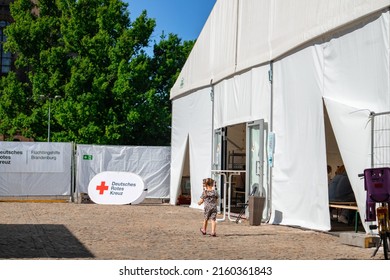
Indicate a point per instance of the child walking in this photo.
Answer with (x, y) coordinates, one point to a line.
(210, 199)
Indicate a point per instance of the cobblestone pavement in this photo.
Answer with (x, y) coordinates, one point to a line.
(153, 232)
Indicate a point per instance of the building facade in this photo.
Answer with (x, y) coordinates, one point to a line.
(6, 58)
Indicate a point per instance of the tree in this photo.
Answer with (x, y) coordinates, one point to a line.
(89, 53)
(152, 117)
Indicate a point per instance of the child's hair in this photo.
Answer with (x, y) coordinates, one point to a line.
(208, 182)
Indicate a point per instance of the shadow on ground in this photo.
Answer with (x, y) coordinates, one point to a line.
(18, 241)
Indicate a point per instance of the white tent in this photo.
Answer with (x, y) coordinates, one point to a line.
(310, 72)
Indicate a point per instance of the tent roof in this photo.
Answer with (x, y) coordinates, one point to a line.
(240, 34)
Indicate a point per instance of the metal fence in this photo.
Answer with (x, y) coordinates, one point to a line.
(380, 139)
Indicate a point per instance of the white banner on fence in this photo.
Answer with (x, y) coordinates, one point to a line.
(152, 164)
(35, 157)
(35, 168)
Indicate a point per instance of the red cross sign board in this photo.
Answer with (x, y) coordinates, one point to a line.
(112, 187)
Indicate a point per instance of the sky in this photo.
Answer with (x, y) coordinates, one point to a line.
(185, 18)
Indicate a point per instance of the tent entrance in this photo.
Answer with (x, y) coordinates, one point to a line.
(242, 148)
(184, 197)
(334, 161)
(333, 156)
(229, 154)
(235, 158)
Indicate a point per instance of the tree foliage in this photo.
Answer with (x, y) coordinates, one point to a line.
(85, 61)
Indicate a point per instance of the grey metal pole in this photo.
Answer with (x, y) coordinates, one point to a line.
(48, 123)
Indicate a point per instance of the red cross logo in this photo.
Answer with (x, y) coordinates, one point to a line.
(102, 187)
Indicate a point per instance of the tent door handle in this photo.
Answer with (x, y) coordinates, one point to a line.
(257, 167)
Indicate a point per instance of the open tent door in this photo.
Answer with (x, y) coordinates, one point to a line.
(217, 150)
(192, 133)
(257, 163)
(217, 161)
(352, 132)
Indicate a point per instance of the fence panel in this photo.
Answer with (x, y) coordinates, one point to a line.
(380, 139)
(35, 169)
(152, 164)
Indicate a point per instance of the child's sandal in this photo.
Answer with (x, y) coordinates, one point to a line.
(213, 235)
(202, 231)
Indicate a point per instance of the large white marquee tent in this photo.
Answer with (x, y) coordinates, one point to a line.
(305, 68)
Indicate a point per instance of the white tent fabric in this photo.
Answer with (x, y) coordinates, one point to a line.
(352, 132)
(152, 164)
(300, 192)
(242, 33)
(235, 101)
(35, 169)
(192, 131)
(332, 52)
(356, 64)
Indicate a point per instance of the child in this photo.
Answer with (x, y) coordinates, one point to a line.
(210, 198)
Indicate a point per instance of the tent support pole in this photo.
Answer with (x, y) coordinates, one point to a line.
(212, 122)
(271, 81)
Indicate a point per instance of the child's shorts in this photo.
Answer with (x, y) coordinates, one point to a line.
(210, 213)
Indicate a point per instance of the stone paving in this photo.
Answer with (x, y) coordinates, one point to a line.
(153, 232)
